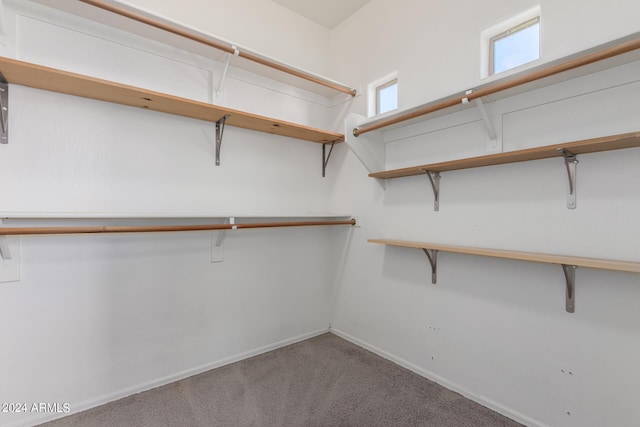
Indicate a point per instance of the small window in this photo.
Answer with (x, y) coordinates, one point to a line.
(515, 46)
(387, 96)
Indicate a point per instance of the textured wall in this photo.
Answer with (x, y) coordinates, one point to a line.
(93, 318)
(496, 330)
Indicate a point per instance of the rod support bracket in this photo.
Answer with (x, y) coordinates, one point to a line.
(465, 100)
(326, 156)
(432, 255)
(570, 276)
(483, 114)
(434, 179)
(223, 76)
(219, 132)
(485, 119)
(4, 110)
(5, 252)
(217, 241)
(571, 163)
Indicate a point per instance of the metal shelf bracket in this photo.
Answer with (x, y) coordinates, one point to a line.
(217, 241)
(4, 111)
(325, 156)
(223, 76)
(570, 276)
(571, 163)
(483, 115)
(5, 252)
(219, 133)
(432, 254)
(434, 179)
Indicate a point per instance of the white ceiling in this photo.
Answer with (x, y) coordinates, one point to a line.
(328, 13)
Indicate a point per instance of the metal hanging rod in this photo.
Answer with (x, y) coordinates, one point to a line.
(21, 231)
(209, 41)
(600, 55)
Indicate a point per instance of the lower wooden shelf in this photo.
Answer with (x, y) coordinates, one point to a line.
(216, 248)
(602, 264)
(100, 229)
(568, 263)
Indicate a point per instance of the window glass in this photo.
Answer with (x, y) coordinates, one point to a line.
(516, 46)
(387, 97)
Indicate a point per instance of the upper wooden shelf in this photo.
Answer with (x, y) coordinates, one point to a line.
(614, 142)
(603, 264)
(51, 79)
(614, 53)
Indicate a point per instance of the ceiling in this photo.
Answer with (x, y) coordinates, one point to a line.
(328, 13)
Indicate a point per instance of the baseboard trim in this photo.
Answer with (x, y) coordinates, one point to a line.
(491, 404)
(110, 397)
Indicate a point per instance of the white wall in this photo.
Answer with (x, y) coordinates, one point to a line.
(260, 25)
(435, 46)
(94, 318)
(97, 317)
(496, 330)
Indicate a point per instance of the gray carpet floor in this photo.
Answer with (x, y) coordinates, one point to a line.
(323, 381)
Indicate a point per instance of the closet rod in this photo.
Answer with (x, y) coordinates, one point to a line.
(600, 55)
(20, 231)
(218, 45)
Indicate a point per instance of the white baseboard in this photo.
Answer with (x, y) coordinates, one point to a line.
(110, 397)
(495, 406)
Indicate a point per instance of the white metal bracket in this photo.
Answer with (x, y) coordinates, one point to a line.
(434, 179)
(3, 31)
(219, 132)
(325, 156)
(10, 261)
(483, 114)
(236, 52)
(4, 110)
(5, 252)
(485, 119)
(217, 242)
(571, 163)
(570, 276)
(432, 254)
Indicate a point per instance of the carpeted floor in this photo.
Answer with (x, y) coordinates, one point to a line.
(324, 381)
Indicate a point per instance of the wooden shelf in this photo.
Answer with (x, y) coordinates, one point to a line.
(603, 264)
(568, 263)
(25, 231)
(216, 250)
(41, 77)
(370, 148)
(617, 52)
(608, 143)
